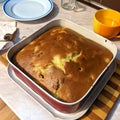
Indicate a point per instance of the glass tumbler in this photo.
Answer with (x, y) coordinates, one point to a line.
(68, 4)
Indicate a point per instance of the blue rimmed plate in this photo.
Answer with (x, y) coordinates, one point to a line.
(27, 10)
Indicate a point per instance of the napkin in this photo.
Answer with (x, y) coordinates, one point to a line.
(7, 33)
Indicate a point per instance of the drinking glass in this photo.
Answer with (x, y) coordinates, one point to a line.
(70, 5)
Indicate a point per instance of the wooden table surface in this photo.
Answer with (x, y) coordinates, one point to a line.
(6, 113)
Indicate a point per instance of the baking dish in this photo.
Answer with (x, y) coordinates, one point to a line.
(83, 108)
(55, 103)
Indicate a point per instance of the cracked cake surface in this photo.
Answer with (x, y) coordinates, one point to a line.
(63, 62)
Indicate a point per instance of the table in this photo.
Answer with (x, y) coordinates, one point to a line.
(12, 94)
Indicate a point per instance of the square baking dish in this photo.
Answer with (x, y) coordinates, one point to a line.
(63, 107)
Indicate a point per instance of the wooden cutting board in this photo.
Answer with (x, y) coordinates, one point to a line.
(105, 101)
(107, 98)
(6, 113)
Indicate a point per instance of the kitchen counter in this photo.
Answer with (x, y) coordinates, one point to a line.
(24, 105)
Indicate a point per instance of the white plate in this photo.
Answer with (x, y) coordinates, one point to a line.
(27, 10)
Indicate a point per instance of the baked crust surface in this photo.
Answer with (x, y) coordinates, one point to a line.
(63, 62)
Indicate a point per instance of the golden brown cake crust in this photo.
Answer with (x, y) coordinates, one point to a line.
(63, 62)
